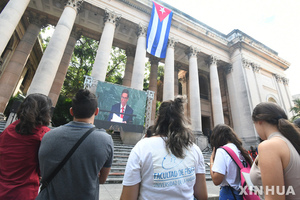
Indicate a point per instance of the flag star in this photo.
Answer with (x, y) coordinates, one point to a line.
(162, 10)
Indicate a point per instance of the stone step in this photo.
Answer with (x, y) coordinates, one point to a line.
(121, 156)
(121, 153)
(123, 147)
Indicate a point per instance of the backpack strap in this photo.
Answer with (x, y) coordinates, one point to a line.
(233, 156)
(47, 180)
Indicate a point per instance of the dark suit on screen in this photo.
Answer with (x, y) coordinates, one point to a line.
(127, 114)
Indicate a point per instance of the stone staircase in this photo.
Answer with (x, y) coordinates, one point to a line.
(2, 125)
(121, 154)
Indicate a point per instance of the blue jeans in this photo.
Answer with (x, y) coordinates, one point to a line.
(226, 194)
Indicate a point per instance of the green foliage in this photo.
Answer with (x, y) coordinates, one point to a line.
(45, 33)
(160, 72)
(296, 109)
(81, 64)
(146, 76)
(61, 114)
(11, 102)
(116, 66)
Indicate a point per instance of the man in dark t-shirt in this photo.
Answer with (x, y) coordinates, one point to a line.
(91, 162)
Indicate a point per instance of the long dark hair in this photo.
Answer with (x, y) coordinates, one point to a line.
(223, 134)
(274, 114)
(172, 126)
(34, 110)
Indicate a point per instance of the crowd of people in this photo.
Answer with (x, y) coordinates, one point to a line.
(70, 161)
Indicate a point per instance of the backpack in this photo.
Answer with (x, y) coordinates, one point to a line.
(249, 195)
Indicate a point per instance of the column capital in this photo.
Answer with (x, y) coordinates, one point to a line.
(285, 80)
(246, 63)
(255, 67)
(172, 42)
(141, 30)
(192, 51)
(213, 60)
(130, 51)
(278, 78)
(112, 17)
(74, 4)
(228, 69)
(154, 60)
(37, 19)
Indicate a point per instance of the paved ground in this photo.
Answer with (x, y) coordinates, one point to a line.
(113, 191)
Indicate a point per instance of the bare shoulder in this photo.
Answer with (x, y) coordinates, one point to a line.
(274, 149)
(274, 144)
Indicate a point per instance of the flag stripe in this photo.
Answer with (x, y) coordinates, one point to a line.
(161, 37)
(152, 30)
(158, 34)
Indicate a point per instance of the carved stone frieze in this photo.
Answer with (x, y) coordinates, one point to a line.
(285, 81)
(246, 63)
(255, 67)
(111, 17)
(213, 60)
(142, 30)
(74, 3)
(192, 51)
(228, 69)
(278, 78)
(172, 42)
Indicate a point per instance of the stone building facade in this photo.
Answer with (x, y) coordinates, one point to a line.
(223, 76)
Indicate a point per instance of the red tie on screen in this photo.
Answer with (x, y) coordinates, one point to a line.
(122, 111)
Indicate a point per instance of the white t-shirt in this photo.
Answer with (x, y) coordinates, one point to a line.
(161, 175)
(223, 164)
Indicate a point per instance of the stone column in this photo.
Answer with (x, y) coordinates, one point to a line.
(288, 94)
(168, 89)
(111, 20)
(216, 98)
(9, 19)
(183, 80)
(282, 93)
(153, 84)
(46, 71)
(256, 71)
(239, 99)
(194, 91)
(137, 80)
(129, 66)
(176, 81)
(278, 81)
(63, 67)
(13, 71)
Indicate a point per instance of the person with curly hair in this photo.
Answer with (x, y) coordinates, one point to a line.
(277, 166)
(19, 145)
(167, 165)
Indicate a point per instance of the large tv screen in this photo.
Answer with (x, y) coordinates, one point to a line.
(120, 107)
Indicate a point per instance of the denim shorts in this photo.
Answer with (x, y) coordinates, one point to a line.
(226, 194)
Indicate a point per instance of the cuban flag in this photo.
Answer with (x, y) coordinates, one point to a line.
(158, 30)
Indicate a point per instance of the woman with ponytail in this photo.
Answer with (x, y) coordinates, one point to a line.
(277, 167)
(167, 165)
(224, 172)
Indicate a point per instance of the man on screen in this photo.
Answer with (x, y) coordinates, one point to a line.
(121, 112)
